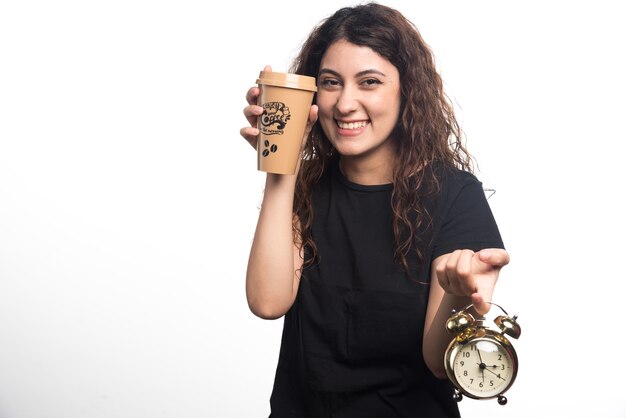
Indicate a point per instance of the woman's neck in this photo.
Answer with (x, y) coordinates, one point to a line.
(367, 171)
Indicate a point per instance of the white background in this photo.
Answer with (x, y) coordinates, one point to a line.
(128, 200)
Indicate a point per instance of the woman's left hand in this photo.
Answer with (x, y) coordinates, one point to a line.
(474, 274)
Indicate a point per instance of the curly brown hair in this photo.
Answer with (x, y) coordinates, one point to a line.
(427, 132)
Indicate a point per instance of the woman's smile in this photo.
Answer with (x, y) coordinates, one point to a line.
(351, 128)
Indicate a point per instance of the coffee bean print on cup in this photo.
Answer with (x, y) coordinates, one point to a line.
(269, 147)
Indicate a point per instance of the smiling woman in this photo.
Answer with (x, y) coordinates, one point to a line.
(382, 231)
(125, 219)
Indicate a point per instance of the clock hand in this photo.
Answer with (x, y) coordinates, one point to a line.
(482, 364)
(492, 372)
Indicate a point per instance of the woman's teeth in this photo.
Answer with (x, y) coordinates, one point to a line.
(351, 125)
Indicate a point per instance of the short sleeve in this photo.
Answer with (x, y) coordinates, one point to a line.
(467, 221)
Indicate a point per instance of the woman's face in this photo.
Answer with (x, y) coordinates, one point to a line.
(359, 100)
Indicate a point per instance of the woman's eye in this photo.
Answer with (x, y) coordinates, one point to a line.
(371, 82)
(329, 82)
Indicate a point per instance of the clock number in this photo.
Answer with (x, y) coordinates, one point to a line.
(466, 354)
(463, 364)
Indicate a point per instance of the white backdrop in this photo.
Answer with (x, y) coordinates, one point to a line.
(128, 200)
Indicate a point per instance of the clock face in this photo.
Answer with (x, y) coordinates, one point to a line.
(484, 368)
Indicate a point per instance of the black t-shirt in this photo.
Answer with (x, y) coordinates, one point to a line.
(352, 341)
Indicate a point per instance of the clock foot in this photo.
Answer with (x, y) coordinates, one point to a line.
(457, 396)
(502, 400)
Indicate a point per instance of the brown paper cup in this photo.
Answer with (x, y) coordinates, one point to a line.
(286, 100)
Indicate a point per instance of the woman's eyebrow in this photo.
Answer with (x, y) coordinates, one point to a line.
(328, 71)
(370, 71)
(359, 74)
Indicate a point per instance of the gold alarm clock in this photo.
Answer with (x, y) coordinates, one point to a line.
(481, 362)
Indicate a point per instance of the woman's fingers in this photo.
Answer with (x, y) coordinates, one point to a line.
(496, 257)
(252, 95)
(251, 135)
(472, 274)
(488, 263)
(445, 269)
(253, 92)
(252, 113)
(458, 273)
(466, 281)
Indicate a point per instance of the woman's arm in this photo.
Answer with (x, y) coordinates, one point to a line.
(275, 261)
(457, 279)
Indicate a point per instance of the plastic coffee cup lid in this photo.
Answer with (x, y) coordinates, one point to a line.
(294, 81)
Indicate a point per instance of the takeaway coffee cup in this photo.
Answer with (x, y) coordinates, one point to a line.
(286, 101)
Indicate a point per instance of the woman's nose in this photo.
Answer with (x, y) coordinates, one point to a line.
(347, 102)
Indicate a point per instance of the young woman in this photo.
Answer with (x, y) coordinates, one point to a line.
(380, 234)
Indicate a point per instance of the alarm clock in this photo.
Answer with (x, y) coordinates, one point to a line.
(480, 361)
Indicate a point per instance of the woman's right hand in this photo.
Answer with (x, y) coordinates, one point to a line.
(253, 111)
